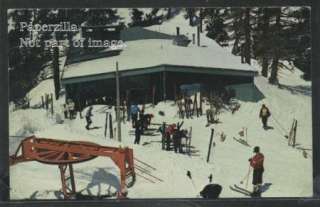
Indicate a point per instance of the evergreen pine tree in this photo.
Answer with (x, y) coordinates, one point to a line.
(136, 17)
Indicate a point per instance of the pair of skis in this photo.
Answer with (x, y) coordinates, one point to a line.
(241, 190)
(242, 141)
(146, 172)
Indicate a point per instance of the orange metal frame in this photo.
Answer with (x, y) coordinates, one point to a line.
(65, 153)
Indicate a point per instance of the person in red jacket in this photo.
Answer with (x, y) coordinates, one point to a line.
(256, 162)
(168, 132)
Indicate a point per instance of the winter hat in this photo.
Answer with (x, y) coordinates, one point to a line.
(256, 149)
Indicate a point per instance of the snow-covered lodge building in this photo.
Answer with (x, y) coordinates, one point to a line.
(156, 59)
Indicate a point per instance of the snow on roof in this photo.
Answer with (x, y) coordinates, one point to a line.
(155, 52)
(149, 53)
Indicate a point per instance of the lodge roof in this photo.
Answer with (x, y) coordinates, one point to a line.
(155, 52)
(151, 53)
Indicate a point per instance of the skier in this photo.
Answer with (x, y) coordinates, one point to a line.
(211, 191)
(176, 141)
(264, 115)
(138, 132)
(88, 117)
(134, 114)
(256, 162)
(177, 137)
(168, 132)
(146, 120)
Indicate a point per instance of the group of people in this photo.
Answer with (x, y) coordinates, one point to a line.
(173, 134)
(140, 121)
(69, 109)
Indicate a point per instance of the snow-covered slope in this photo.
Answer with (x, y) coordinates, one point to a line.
(286, 170)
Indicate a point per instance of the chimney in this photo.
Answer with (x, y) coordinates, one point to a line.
(193, 38)
(178, 31)
(198, 35)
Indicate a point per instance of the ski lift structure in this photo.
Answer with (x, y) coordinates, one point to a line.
(66, 153)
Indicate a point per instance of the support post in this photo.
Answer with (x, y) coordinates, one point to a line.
(198, 36)
(153, 95)
(51, 103)
(201, 20)
(201, 112)
(210, 145)
(128, 105)
(294, 133)
(110, 126)
(164, 88)
(67, 191)
(175, 93)
(106, 125)
(118, 103)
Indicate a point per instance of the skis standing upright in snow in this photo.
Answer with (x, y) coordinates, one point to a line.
(188, 144)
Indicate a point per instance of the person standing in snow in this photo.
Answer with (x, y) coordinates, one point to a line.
(71, 106)
(65, 110)
(138, 131)
(264, 115)
(256, 162)
(88, 117)
(180, 103)
(168, 132)
(134, 109)
(146, 120)
(177, 138)
(176, 141)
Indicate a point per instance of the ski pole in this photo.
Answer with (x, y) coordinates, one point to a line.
(190, 177)
(245, 177)
(247, 181)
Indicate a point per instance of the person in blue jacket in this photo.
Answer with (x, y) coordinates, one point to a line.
(134, 109)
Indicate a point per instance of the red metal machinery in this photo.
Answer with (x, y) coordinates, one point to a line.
(66, 153)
